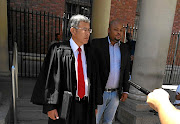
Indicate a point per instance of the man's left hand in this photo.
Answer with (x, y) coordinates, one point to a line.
(124, 97)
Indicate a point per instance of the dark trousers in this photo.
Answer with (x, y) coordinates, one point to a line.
(80, 112)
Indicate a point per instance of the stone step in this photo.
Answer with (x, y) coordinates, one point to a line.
(24, 102)
(34, 122)
(27, 112)
(29, 108)
(126, 115)
(30, 113)
(116, 122)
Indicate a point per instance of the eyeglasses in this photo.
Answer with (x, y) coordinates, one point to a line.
(85, 29)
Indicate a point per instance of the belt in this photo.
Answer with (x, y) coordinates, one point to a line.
(111, 89)
(176, 104)
(83, 99)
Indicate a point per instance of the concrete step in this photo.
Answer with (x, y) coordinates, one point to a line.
(34, 122)
(116, 122)
(30, 113)
(26, 102)
(126, 115)
(27, 112)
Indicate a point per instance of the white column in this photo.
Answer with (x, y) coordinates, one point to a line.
(4, 59)
(100, 18)
(154, 32)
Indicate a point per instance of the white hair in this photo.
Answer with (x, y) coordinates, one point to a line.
(76, 19)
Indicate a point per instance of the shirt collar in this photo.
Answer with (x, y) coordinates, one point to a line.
(74, 46)
(119, 43)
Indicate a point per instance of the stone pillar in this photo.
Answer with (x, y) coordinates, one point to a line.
(154, 32)
(155, 27)
(4, 64)
(100, 18)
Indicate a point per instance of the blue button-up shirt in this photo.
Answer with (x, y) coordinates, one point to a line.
(115, 64)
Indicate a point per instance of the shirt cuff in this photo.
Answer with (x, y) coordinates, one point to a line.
(126, 92)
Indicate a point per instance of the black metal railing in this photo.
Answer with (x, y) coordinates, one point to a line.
(33, 32)
(132, 30)
(172, 71)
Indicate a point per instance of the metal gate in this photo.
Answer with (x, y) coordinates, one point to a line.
(33, 31)
(172, 71)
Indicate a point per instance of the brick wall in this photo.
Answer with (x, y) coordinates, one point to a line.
(122, 9)
(54, 6)
(125, 10)
(176, 25)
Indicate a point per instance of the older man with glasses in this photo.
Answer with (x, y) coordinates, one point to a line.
(83, 77)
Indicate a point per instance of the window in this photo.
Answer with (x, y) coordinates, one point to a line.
(73, 7)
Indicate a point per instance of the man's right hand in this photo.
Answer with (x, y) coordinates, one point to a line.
(53, 114)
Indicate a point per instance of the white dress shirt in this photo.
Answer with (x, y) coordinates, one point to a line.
(75, 47)
(115, 64)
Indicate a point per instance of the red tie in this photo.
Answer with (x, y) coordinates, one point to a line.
(81, 83)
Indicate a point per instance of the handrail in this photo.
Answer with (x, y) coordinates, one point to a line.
(15, 64)
(15, 80)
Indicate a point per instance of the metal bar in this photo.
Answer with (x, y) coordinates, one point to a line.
(36, 43)
(167, 81)
(9, 29)
(59, 24)
(174, 59)
(44, 32)
(21, 40)
(9, 16)
(12, 31)
(55, 23)
(16, 59)
(16, 27)
(63, 27)
(16, 69)
(15, 81)
(14, 95)
(170, 59)
(71, 10)
(33, 39)
(40, 40)
(8, 21)
(28, 44)
(25, 38)
(52, 27)
(48, 29)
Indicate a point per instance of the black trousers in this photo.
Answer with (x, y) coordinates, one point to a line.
(78, 114)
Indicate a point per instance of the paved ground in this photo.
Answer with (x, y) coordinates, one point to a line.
(5, 100)
(26, 86)
(25, 90)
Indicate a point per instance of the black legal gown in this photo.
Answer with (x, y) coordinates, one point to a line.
(52, 82)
